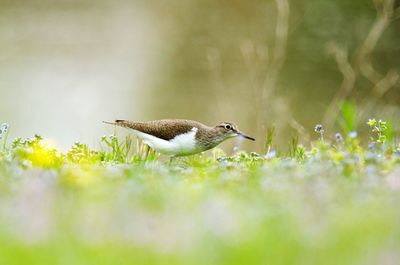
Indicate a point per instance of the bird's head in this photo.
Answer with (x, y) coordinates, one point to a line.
(229, 130)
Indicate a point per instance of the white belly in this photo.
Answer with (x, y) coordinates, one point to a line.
(184, 144)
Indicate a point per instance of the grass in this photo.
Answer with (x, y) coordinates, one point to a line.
(327, 203)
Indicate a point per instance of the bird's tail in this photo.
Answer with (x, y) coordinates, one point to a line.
(110, 123)
(122, 123)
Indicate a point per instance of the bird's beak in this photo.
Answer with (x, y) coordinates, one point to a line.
(245, 136)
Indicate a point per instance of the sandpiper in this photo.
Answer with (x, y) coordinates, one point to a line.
(176, 137)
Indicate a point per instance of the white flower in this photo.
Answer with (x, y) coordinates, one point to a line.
(319, 129)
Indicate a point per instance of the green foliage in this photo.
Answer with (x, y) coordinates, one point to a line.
(380, 131)
(268, 139)
(296, 150)
(348, 117)
(82, 154)
(34, 152)
(120, 151)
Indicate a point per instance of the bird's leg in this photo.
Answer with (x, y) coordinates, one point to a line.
(146, 151)
(153, 152)
(138, 146)
(171, 159)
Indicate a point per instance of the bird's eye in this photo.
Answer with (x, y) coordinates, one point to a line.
(228, 127)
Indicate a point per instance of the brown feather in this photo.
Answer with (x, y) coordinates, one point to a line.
(163, 129)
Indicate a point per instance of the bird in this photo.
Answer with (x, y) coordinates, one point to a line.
(180, 137)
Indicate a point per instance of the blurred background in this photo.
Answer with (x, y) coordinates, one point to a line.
(65, 66)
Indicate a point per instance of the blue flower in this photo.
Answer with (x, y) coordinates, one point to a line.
(3, 129)
(353, 134)
(271, 154)
(371, 146)
(398, 151)
(339, 138)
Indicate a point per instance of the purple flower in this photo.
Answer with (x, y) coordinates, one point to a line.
(3, 129)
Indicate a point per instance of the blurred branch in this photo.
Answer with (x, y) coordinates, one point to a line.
(385, 10)
(265, 64)
(214, 64)
(300, 129)
(363, 66)
(385, 84)
(380, 89)
(256, 60)
(396, 13)
(279, 51)
(276, 62)
(281, 34)
(349, 79)
(382, 83)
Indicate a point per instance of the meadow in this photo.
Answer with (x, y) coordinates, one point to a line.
(333, 201)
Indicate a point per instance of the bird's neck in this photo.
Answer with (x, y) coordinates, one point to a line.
(209, 137)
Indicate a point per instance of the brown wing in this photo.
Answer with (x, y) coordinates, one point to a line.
(163, 129)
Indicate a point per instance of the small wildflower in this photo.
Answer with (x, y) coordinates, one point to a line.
(398, 151)
(319, 129)
(339, 138)
(371, 122)
(379, 130)
(371, 170)
(353, 135)
(370, 157)
(3, 129)
(383, 125)
(371, 146)
(4, 126)
(271, 154)
(382, 139)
